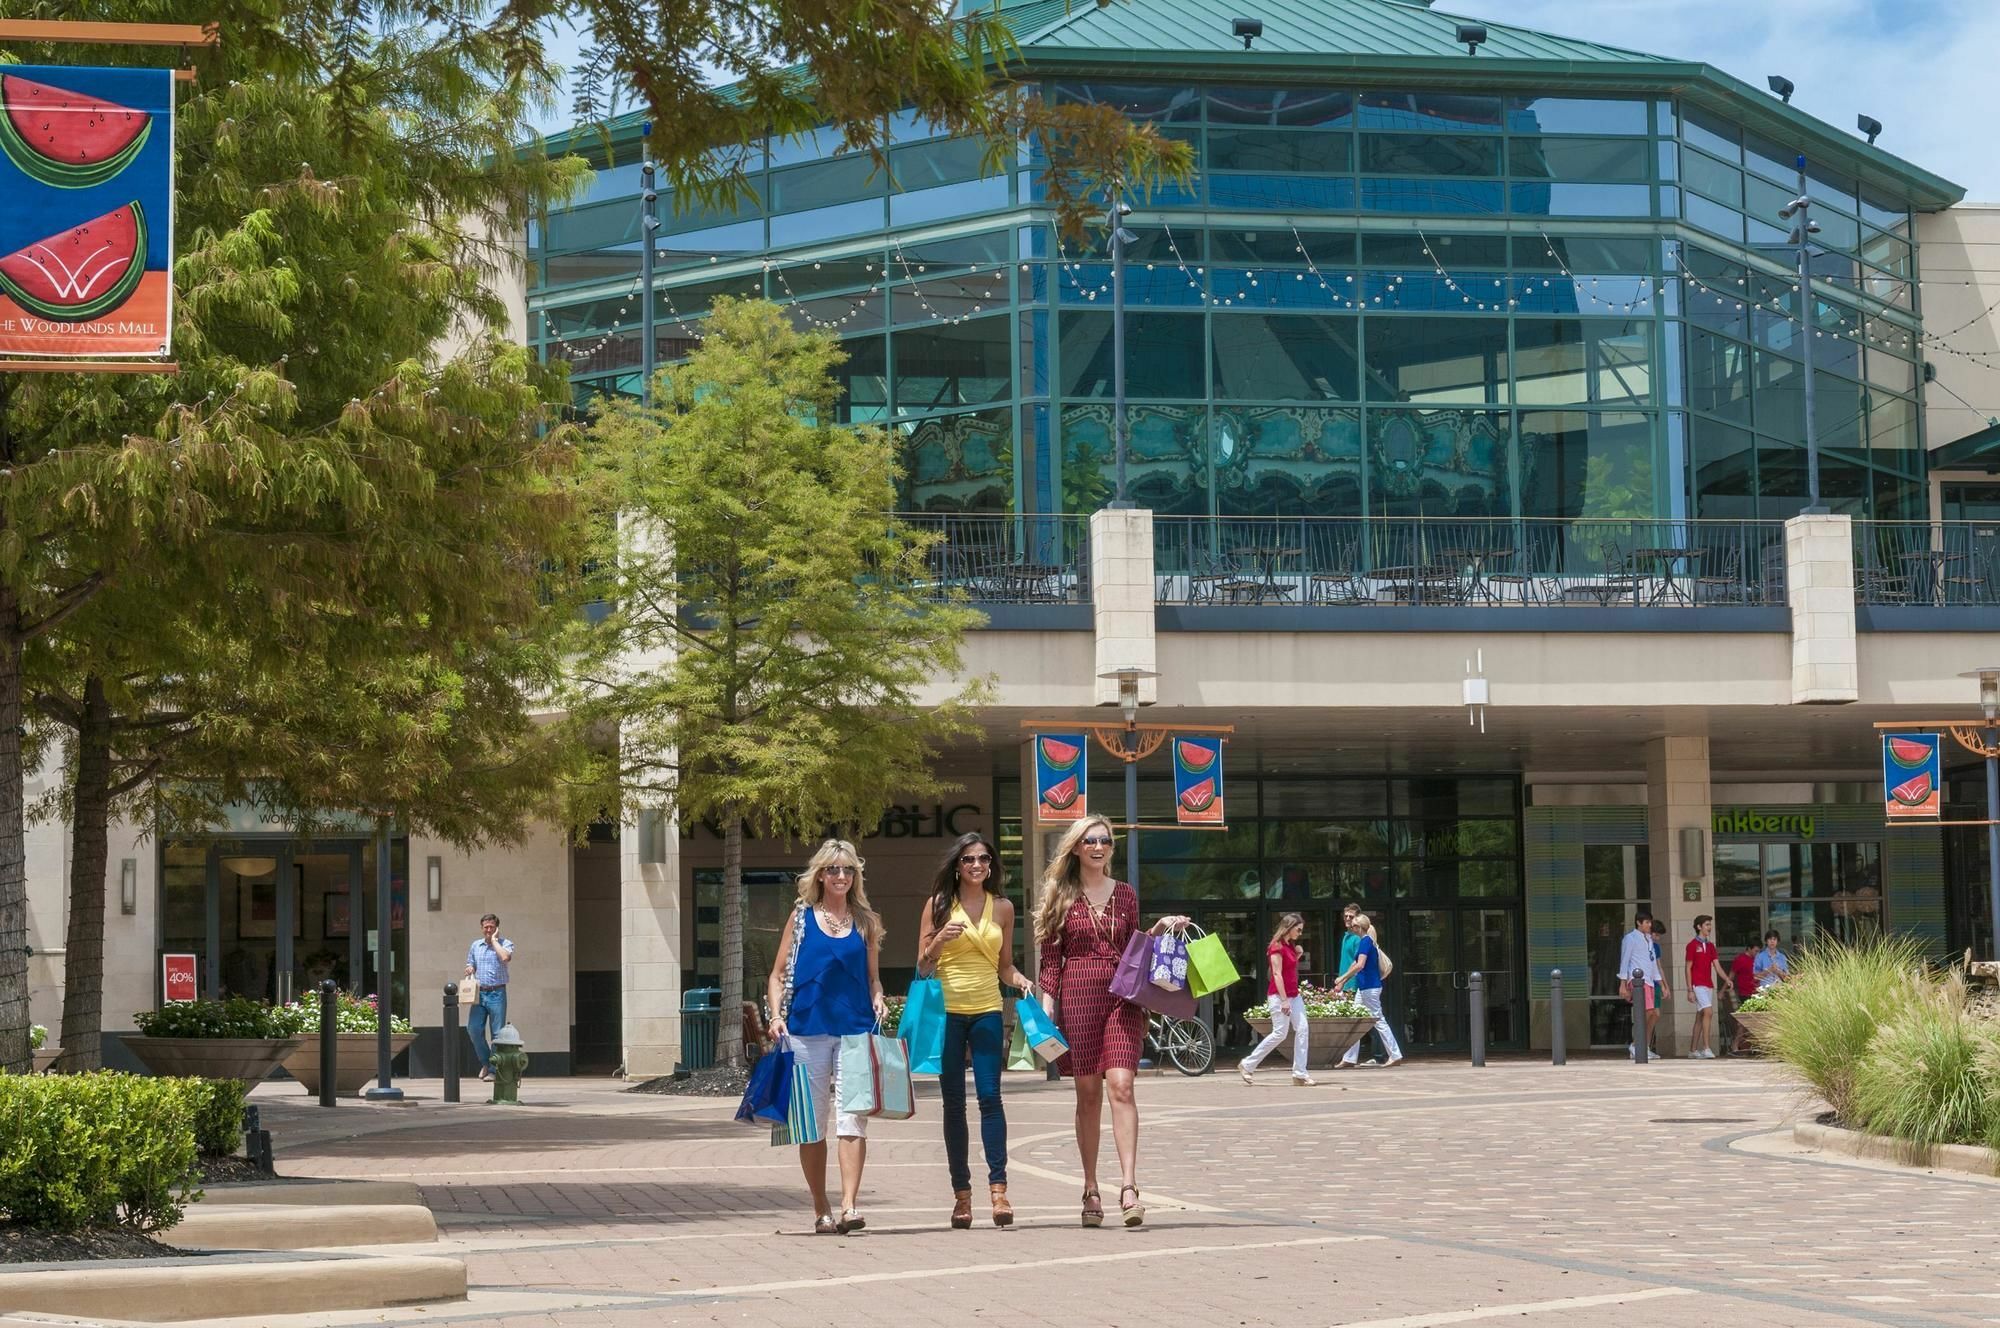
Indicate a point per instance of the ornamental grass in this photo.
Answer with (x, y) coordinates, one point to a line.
(1839, 994)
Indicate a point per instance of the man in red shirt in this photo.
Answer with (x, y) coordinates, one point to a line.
(1700, 965)
(1743, 977)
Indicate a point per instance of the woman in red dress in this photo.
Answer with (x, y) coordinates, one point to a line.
(1083, 922)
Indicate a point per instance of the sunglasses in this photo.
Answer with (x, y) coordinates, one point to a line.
(837, 871)
(1097, 840)
(977, 860)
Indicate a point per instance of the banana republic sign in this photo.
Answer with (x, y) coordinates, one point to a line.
(938, 820)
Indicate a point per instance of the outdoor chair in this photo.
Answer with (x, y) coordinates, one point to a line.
(1721, 580)
(1617, 583)
(1875, 586)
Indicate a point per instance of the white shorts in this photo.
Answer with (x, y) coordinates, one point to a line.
(820, 1054)
(1704, 997)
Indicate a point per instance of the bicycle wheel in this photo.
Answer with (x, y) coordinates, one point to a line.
(1190, 1046)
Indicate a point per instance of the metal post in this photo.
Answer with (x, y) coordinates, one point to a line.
(451, 1042)
(1993, 842)
(649, 222)
(1558, 1050)
(1803, 236)
(329, 1040)
(1475, 989)
(1639, 1016)
(385, 951)
(1132, 806)
(1117, 224)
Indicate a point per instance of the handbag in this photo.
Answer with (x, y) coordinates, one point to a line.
(875, 1077)
(1209, 967)
(768, 1097)
(1170, 966)
(1040, 1032)
(802, 1124)
(1131, 983)
(922, 1026)
(468, 990)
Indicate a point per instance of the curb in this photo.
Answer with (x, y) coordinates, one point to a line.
(212, 1226)
(1969, 1159)
(317, 1193)
(168, 1291)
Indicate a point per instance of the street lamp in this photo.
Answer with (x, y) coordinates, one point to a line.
(1989, 747)
(1799, 213)
(649, 222)
(1120, 237)
(1128, 679)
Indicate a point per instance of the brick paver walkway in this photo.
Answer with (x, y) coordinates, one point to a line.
(1595, 1194)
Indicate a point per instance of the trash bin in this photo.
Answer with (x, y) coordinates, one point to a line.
(701, 1024)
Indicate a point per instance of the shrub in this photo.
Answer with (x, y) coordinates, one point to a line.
(352, 1014)
(96, 1149)
(1827, 1016)
(1326, 1003)
(237, 1017)
(1925, 1078)
(37, 1035)
(218, 1114)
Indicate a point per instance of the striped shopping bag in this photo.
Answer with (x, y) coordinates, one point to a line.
(801, 1124)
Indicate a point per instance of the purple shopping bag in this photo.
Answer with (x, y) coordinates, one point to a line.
(1133, 981)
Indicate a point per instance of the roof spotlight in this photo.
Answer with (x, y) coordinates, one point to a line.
(1781, 85)
(1247, 29)
(1473, 35)
(1868, 125)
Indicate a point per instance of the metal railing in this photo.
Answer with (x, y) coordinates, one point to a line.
(1933, 564)
(1000, 558)
(1468, 562)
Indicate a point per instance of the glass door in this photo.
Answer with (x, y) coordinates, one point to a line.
(1244, 937)
(1488, 945)
(1425, 1001)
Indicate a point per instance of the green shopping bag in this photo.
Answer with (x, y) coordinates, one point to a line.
(1019, 1056)
(1209, 968)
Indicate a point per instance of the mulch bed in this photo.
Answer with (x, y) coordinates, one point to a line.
(722, 1081)
(225, 1170)
(21, 1244)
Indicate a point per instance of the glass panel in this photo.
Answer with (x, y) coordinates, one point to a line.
(1429, 154)
(1436, 463)
(1272, 244)
(328, 920)
(1488, 946)
(1279, 106)
(603, 265)
(978, 250)
(1560, 361)
(1286, 357)
(399, 924)
(1706, 175)
(1582, 200)
(1164, 104)
(1277, 151)
(1436, 360)
(864, 380)
(1333, 194)
(769, 896)
(1454, 253)
(1739, 871)
(703, 246)
(1575, 115)
(1584, 464)
(1428, 967)
(184, 906)
(1604, 159)
(825, 183)
(1711, 133)
(1587, 254)
(957, 463)
(1242, 932)
(1428, 112)
(1737, 929)
(593, 227)
(1616, 871)
(1164, 355)
(1892, 427)
(1718, 376)
(947, 161)
(1287, 461)
(797, 228)
(952, 200)
(1166, 463)
(1440, 197)
(962, 364)
(1766, 158)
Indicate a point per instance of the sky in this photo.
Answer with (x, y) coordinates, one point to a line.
(1924, 68)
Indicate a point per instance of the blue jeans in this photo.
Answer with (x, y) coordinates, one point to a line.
(985, 1037)
(492, 1005)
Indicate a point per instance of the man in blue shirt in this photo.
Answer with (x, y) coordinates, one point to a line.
(486, 959)
(1771, 965)
(1638, 955)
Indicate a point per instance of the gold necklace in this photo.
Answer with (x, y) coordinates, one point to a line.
(834, 926)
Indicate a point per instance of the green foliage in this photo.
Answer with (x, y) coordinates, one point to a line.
(237, 1017)
(1927, 1077)
(352, 1014)
(1839, 994)
(1325, 1003)
(218, 1114)
(37, 1035)
(100, 1149)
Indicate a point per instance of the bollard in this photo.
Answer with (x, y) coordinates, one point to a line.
(1558, 1053)
(451, 1042)
(1638, 1016)
(329, 1040)
(256, 1141)
(1475, 991)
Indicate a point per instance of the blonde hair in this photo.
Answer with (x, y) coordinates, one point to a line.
(1366, 924)
(835, 852)
(1062, 880)
(1285, 924)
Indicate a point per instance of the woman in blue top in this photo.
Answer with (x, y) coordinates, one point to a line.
(1366, 970)
(826, 984)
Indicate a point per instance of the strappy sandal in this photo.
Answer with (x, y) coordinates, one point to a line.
(961, 1210)
(1003, 1209)
(823, 1225)
(1135, 1212)
(850, 1222)
(1093, 1208)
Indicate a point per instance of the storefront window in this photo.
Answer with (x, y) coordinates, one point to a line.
(1617, 881)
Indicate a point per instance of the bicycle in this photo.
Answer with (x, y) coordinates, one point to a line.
(1185, 1042)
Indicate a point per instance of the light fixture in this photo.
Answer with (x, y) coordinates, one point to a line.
(1691, 850)
(128, 886)
(434, 883)
(1870, 126)
(249, 866)
(1128, 679)
(1248, 29)
(1989, 689)
(1473, 36)
(1781, 85)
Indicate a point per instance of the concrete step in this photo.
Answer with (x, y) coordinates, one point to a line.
(173, 1290)
(253, 1226)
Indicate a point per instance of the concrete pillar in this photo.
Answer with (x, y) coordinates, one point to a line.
(1121, 599)
(649, 897)
(1677, 799)
(1819, 581)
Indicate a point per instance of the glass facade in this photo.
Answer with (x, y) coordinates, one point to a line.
(1367, 302)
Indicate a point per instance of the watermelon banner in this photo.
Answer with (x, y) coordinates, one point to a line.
(1062, 777)
(1913, 776)
(1198, 780)
(87, 169)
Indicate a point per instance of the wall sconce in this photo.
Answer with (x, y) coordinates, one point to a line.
(128, 886)
(434, 883)
(1692, 854)
(652, 829)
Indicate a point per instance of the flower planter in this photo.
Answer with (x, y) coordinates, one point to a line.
(355, 1063)
(1757, 1025)
(45, 1057)
(1327, 1039)
(248, 1059)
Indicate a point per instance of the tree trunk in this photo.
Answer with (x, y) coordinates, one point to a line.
(729, 1041)
(14, 1054)
(90, 834)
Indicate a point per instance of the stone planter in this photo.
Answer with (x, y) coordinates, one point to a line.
(248, 1059)
(354, 1067)
(46, 1057)
(1757, 1025)
(1327, 1039)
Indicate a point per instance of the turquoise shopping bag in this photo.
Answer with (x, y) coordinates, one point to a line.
(922, 1026)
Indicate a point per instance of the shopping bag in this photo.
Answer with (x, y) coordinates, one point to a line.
(1209, 968)
(801, 1124)
(468, 991)
(768, 1098)
(1131, 980)
(1040, 1031)
(875, 1077)
(1018, 1055)
(1170, 966)
(922, 1026)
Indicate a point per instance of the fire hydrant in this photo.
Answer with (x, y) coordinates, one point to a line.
(510, 1062)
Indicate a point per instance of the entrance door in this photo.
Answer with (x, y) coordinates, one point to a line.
(1486, 939)
(1244, 936)
(1442, 947)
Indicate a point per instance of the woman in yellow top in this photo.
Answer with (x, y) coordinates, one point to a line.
(967, 937)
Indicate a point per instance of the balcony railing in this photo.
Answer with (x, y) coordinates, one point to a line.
(1459, 562)
(999, 558)
(1935, 564)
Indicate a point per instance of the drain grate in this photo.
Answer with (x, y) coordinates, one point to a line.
(1703, 1120)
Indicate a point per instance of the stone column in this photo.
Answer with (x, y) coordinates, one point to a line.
(649, 902)
(1677, 799)
(1121, 599)
(1819, 581)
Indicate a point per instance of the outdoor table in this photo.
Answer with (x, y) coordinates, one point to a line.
(1032, 582)
(1676, 573)
(1267, 558)
(1927, 573)
(1475, 562)
(1410, 582)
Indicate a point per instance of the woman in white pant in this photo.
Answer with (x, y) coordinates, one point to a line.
(1366, 970)
(1288, 1008)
